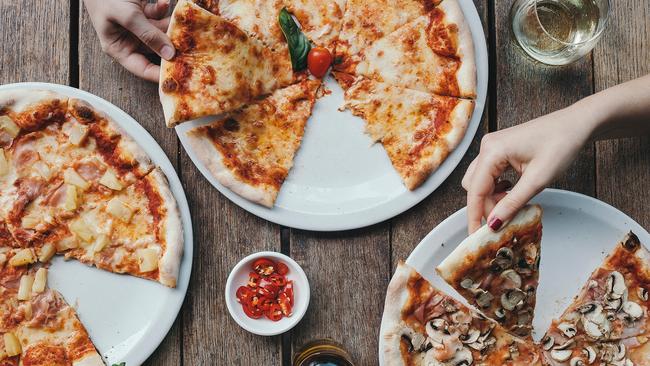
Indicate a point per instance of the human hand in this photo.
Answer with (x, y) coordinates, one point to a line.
(128, 30)
(538, 151)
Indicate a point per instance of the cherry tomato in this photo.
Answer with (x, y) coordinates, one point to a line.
(319, 60)
(244, 293)
(253, 312)
(285, 304)
(253, 279)
(274, 313)
(264, 266)
(278, 280)
(282, 269)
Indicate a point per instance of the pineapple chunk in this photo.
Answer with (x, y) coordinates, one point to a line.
(70, 176)
(77, 133)
(25, 288)
(8, 126)
(43, 169)
(100, 243)
(40, 280)
(23, 257)
(148, 258)
(110, 180)
(4, 164)
(71, 198)
(29, 311)
(3, 259)
(119, 210)
(12, 345)
(82, 230)
(67, 243)
(30, 221)
(46, 253)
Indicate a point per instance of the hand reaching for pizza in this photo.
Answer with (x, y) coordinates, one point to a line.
(129, 30)
(541, 149)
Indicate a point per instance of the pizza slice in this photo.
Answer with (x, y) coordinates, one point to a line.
(498, 272)
(423, 326)
(418, 130)
(365, 22)
(218, 68)
(432, 53)
(37, 326)
(251, 151)
(607, 323)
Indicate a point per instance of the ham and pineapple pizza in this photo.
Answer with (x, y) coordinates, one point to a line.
(37, 326)
(498, 272)
(607, 323)
(418, 130)
(423, 326)
(218, 68)
(251, 151)
(432, 53)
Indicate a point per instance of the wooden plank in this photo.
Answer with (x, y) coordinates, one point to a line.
(623, 166)
(526, 89)
(34, 42)
(101, 75)
(223, 234)
(348, 273)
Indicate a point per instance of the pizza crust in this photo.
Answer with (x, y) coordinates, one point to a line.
(484, 236)
(169, 263)
(213, 160)
(23, 99)
(91, 359)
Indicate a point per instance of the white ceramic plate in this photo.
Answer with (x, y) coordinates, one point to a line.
(340, 179)
(579, 231)
(127, 317)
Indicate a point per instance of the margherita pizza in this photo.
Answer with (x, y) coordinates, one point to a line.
(423, 326)
(252, 151)
(498, 272)
(607, 324)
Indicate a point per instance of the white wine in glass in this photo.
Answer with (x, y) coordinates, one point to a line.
(558, 32)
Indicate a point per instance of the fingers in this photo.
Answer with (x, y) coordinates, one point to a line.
(525, 189)
(140, 66)
(161, 24)
(148, 33)
(156, 10)
(489, 166)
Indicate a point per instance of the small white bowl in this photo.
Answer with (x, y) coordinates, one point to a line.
(263, 326)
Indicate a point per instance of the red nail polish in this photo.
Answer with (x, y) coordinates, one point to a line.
(495, 223)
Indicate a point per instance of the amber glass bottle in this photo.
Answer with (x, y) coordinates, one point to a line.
(322, 352)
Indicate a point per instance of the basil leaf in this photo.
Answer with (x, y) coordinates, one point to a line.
(299, 45)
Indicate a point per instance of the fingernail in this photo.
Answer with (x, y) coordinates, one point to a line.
(167, 52)
(495, 223)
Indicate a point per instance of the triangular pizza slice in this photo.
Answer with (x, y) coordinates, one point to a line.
(498, 272)
(418, 130)
(607, 323)
(218, 67)
(432, 53)
(251, 151)
(423, 326)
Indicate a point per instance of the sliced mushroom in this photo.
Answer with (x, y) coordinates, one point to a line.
(468, 283)
(616, 285)
(484, 298)
(587, 308)
(632, 309)
(642, 293)
(568, 329)
(500, 314)
(524, 317)
(435, 329)
(462, 358)
(577, 361)
(511, 279)
(590, 354)
(631, 242)
(511, 298)
(561, 355)
(614, 304)
(471, 337)
(620, 352)
(548, 342)
(504, 258)
(566, 345)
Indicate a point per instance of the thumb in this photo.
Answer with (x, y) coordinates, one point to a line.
(525, 189)
(150, 35)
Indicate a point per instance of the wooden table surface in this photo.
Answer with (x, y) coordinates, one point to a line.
(53, 41)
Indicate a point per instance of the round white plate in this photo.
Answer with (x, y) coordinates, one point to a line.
(127, 317)
(340, 180)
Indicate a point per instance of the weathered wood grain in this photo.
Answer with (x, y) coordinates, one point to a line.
(348, 273)
(623, 166)
(102, 76)
(34, 42)
(223, 234)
